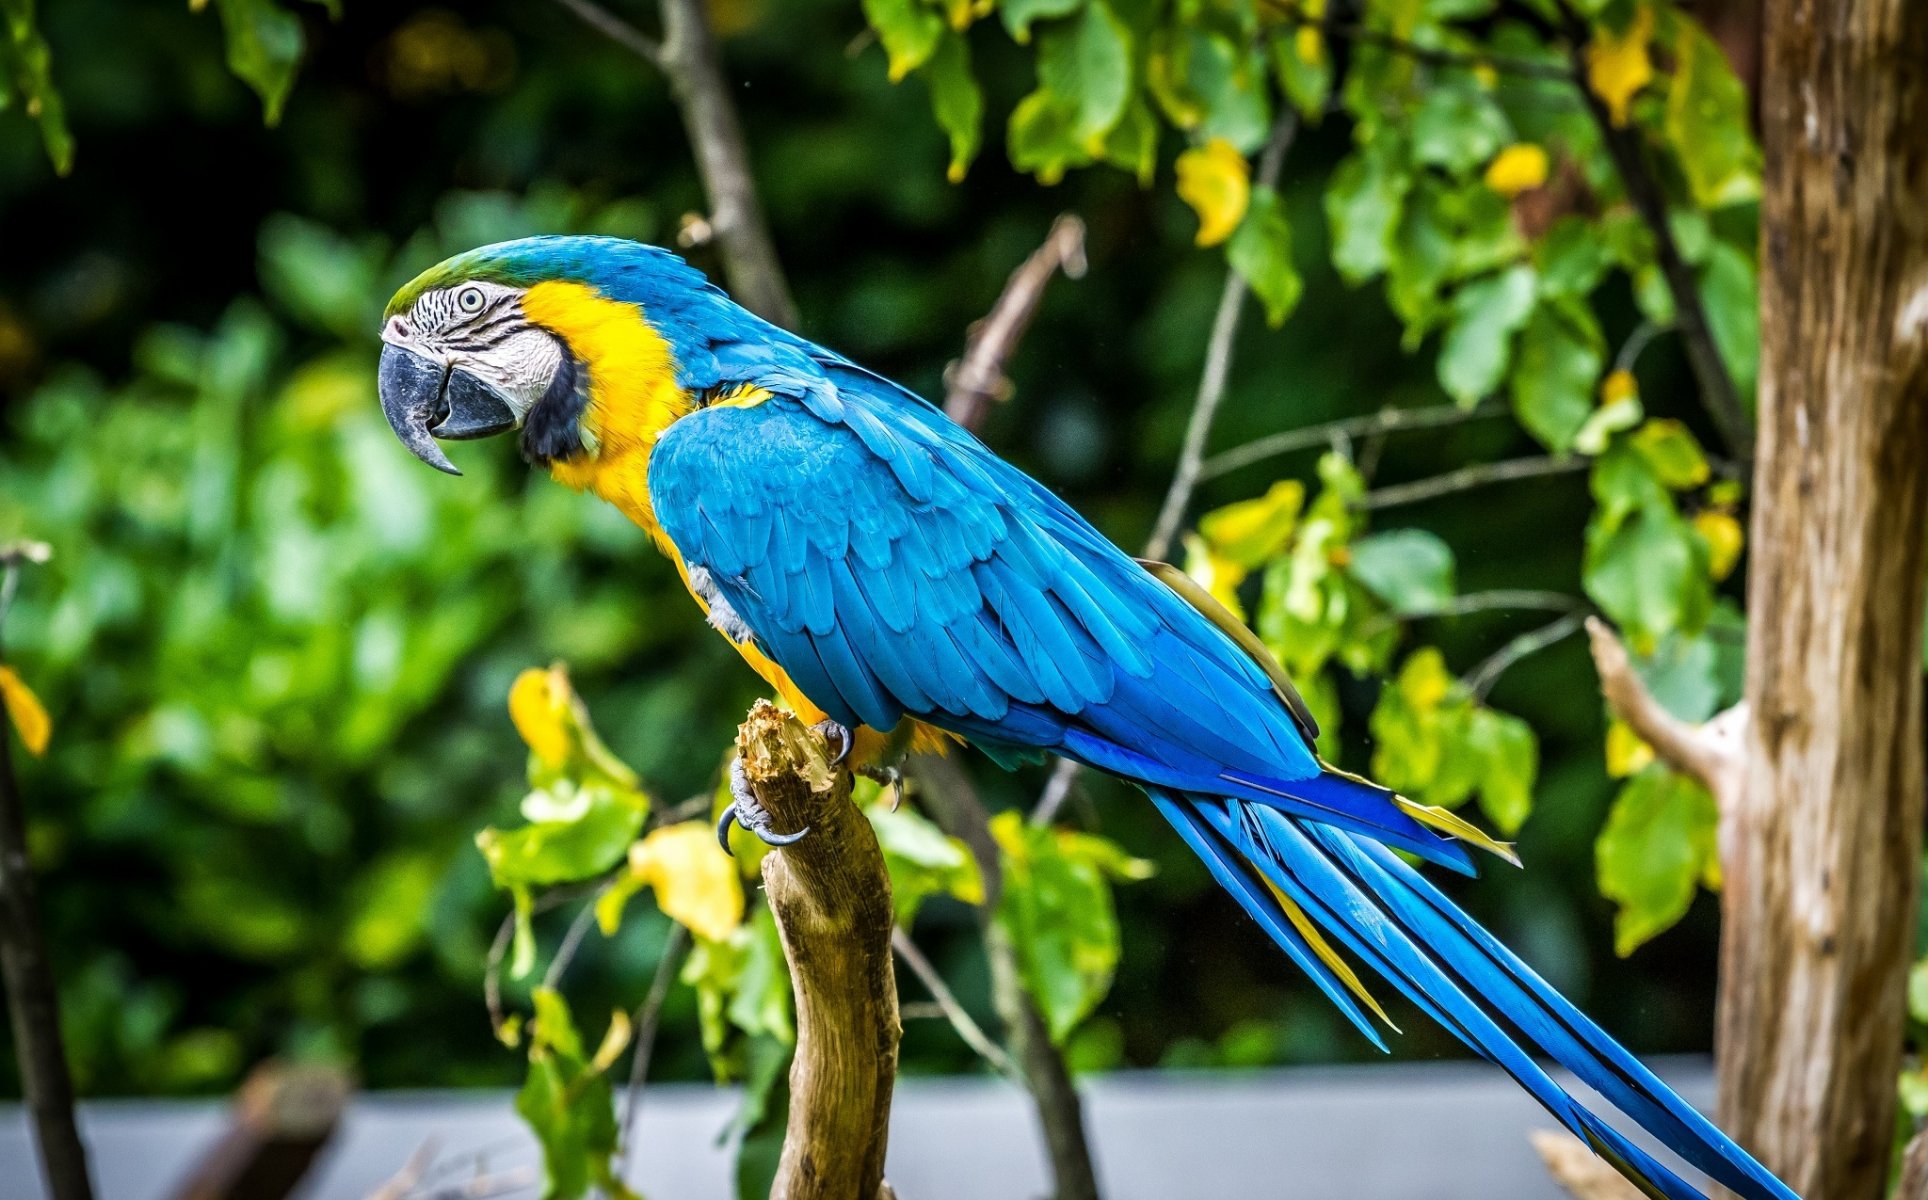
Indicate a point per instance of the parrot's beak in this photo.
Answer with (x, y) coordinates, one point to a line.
(425, 400)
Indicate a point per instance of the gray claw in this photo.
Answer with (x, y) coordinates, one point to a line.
(839, 735)
(749, 814)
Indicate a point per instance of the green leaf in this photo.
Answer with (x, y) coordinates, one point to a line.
(1730, 292)
(1042, 138)
(922, 862)
(1303, 64)
(1486, 314)
(26, 70)
(1660, 841)
(1644, 565)
(264, 48)
(1672, 452)
(1018, 15)
(1133, 143)
(1457, 127)
(1057, 909)
(1363, 204)
(1560, 357)
(1509, 760)
(569, 1105)
(592, 828)
(1572, 258)
(1708, 122)
(1086, 62)
(1410, 569)
(1261, 252)
(957, 101)
(910, 32)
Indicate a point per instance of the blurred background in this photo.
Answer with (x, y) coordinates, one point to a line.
(276, 649)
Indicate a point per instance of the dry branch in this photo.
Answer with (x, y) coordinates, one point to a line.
(1711, 753)
(282, 1118)
(831, 897)
(977, 381)
(1583, 1174)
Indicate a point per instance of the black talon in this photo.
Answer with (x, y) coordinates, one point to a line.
(723, 824)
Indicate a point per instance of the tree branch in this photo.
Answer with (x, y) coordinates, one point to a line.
(977, 381)
(953, 1011)
(1508, 64)
(831, 897)
(1712, 753)
(1218, 364)
(952, 801)
(648, 1017)
(1629, 154)
(1387, 420)
(27, 968)
(689, 59)
(1582, 1173)
(1467, 478)
(1482, 678)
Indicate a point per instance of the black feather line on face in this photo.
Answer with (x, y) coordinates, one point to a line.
(552, 431)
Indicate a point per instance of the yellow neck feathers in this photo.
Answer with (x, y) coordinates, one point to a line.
(633, 394)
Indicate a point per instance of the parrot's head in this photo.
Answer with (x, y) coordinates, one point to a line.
(558, 337)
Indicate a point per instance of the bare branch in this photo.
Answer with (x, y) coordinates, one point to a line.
(1218, 364)
(1712, 753)
(616, 30)
(1467, 478)
(1388, 420)
(954, 1012)
(649, 1015)
(1482, 678)
(689, 58)
(26, 965)
(977, 381)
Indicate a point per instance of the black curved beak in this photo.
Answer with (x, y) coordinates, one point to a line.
(425, 400)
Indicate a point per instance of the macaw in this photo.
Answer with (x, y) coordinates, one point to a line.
(894, 580)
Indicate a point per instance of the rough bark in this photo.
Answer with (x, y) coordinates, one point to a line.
(1822, 870)
(831, 898)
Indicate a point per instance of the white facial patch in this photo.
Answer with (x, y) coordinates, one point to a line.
(479, 327)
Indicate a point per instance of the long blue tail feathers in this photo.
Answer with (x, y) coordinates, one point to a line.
(1285, 871)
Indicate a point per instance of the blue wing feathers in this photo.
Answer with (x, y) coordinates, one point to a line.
(893, 566)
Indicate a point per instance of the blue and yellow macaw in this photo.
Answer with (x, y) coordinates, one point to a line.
(896, 581)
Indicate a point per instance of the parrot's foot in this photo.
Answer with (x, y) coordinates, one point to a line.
(891, 778)
(837, 737)
(745, 811)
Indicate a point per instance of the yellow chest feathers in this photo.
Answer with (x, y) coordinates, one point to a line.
(633, 393)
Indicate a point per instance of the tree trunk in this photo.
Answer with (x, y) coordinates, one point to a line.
(1821, 873)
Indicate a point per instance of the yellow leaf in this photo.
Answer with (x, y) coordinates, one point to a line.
(1627, 753)
(615, 1040)
(696, 883)
(1618, 386)
(1519, 168)
(1216, 181)
(539, 706)
(1618, 64)
(1309, 44)
(1249, 532)
(1724, 538)
(26, 712)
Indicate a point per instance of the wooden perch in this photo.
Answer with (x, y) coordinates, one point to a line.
(1713, 753)
(831, 898)
(282, 1118)
(1583, 1174)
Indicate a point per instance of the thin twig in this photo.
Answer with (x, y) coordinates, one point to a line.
(571, 942)
(1482, 678)
(1714, 753)
(648, 1017)
(616, 30)
(1508, 64)
(1466, 478)
(1388, 420)
(26, 967)
(1218, 365)
(977, 381)
(1495, 600)
(1629, 153)
(961, 1020)
(1191, 456)
(492, 973)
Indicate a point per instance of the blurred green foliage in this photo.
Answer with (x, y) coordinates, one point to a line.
(277, 651)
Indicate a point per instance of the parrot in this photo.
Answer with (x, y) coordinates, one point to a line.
(903, 588)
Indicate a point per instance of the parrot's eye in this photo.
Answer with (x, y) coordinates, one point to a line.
(469, 300)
